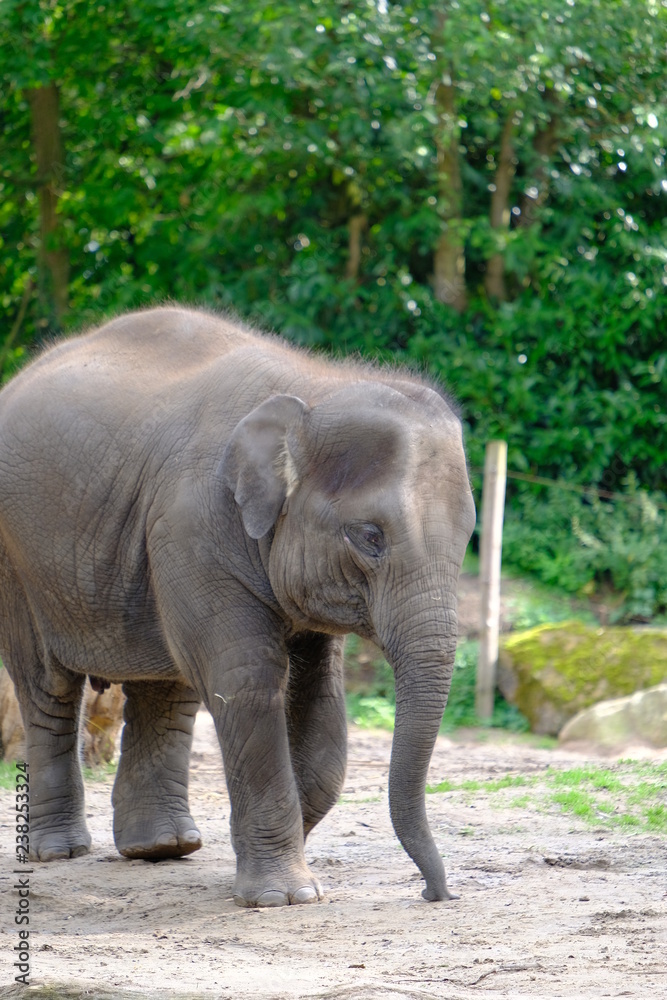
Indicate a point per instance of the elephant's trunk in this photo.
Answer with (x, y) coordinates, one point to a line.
(422, 656)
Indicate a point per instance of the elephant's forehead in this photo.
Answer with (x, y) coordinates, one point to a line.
(423, 483)
(440, 457)
(437, 487)
(388, 454)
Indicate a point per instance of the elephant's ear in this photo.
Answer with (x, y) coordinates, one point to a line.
(257, 464)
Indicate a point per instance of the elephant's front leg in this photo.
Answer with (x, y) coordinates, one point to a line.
(248, 705)
(150, 796)
(317, 722)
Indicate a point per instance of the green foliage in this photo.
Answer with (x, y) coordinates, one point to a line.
(537, 604)
(566, 377)
(460, 709)
(614, 551)
(371, 711)
(625, 544)
(374, 705)
(219, 153)
(538, 538)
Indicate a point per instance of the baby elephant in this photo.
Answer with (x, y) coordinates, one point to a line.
(202, 513)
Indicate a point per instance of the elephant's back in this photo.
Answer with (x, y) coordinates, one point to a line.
(122, 379)
(170, 342)
(149, 349)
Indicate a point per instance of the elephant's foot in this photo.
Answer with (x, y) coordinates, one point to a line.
(433, 897)
(59, 844)
(153, 839)
(281, 887)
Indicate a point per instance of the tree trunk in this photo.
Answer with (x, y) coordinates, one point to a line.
(18, 322)
(357, 225)
(494, 281)
(449, 258)
(545, 143)
(45, 111)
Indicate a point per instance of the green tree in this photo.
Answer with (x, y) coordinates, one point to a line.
(477, 187)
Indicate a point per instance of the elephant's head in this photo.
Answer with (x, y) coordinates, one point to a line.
(368, 497)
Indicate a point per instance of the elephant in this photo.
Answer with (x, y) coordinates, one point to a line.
(201, 512)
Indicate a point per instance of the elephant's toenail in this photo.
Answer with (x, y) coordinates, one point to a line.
(240, 901)
(306, 894)
(191, 837)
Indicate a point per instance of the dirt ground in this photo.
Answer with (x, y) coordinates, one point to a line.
(548, 907)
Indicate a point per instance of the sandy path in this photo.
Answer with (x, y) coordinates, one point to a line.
(589, 921)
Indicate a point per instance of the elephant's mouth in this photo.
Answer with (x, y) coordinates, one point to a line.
(349, 616)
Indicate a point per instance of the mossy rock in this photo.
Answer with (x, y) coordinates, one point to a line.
(554, 671)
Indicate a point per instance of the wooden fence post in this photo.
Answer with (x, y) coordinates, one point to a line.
(491, 543)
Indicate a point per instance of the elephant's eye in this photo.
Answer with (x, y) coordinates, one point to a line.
(368, 538)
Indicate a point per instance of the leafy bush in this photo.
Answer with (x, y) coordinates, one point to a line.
(538, 538)
(460, 709)
(209, 158)
(625, 544)
(595, 547)
(373, 705)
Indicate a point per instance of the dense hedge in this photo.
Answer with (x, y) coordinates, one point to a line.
(319, 167)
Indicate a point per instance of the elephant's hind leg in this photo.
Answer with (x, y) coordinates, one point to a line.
(317, 723)
(50, 703)
(150, 796)
(51, 717)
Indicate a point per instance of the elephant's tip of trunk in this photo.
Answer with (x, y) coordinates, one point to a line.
(434, 896)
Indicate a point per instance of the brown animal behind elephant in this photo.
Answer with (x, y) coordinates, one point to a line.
(103, 714)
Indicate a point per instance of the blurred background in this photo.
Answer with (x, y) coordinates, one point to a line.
(474, 188)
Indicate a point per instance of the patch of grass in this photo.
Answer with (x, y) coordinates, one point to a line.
(7, 774)
(509, 781)
(488, 785)
(631, 795)
(442, 786)
(573, 801)
(600, 778)
(100, 772)
(655, 818)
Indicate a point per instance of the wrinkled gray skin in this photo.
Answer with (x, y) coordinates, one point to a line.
(202, 513)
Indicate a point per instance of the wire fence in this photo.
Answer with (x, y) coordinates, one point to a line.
(525, 477)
